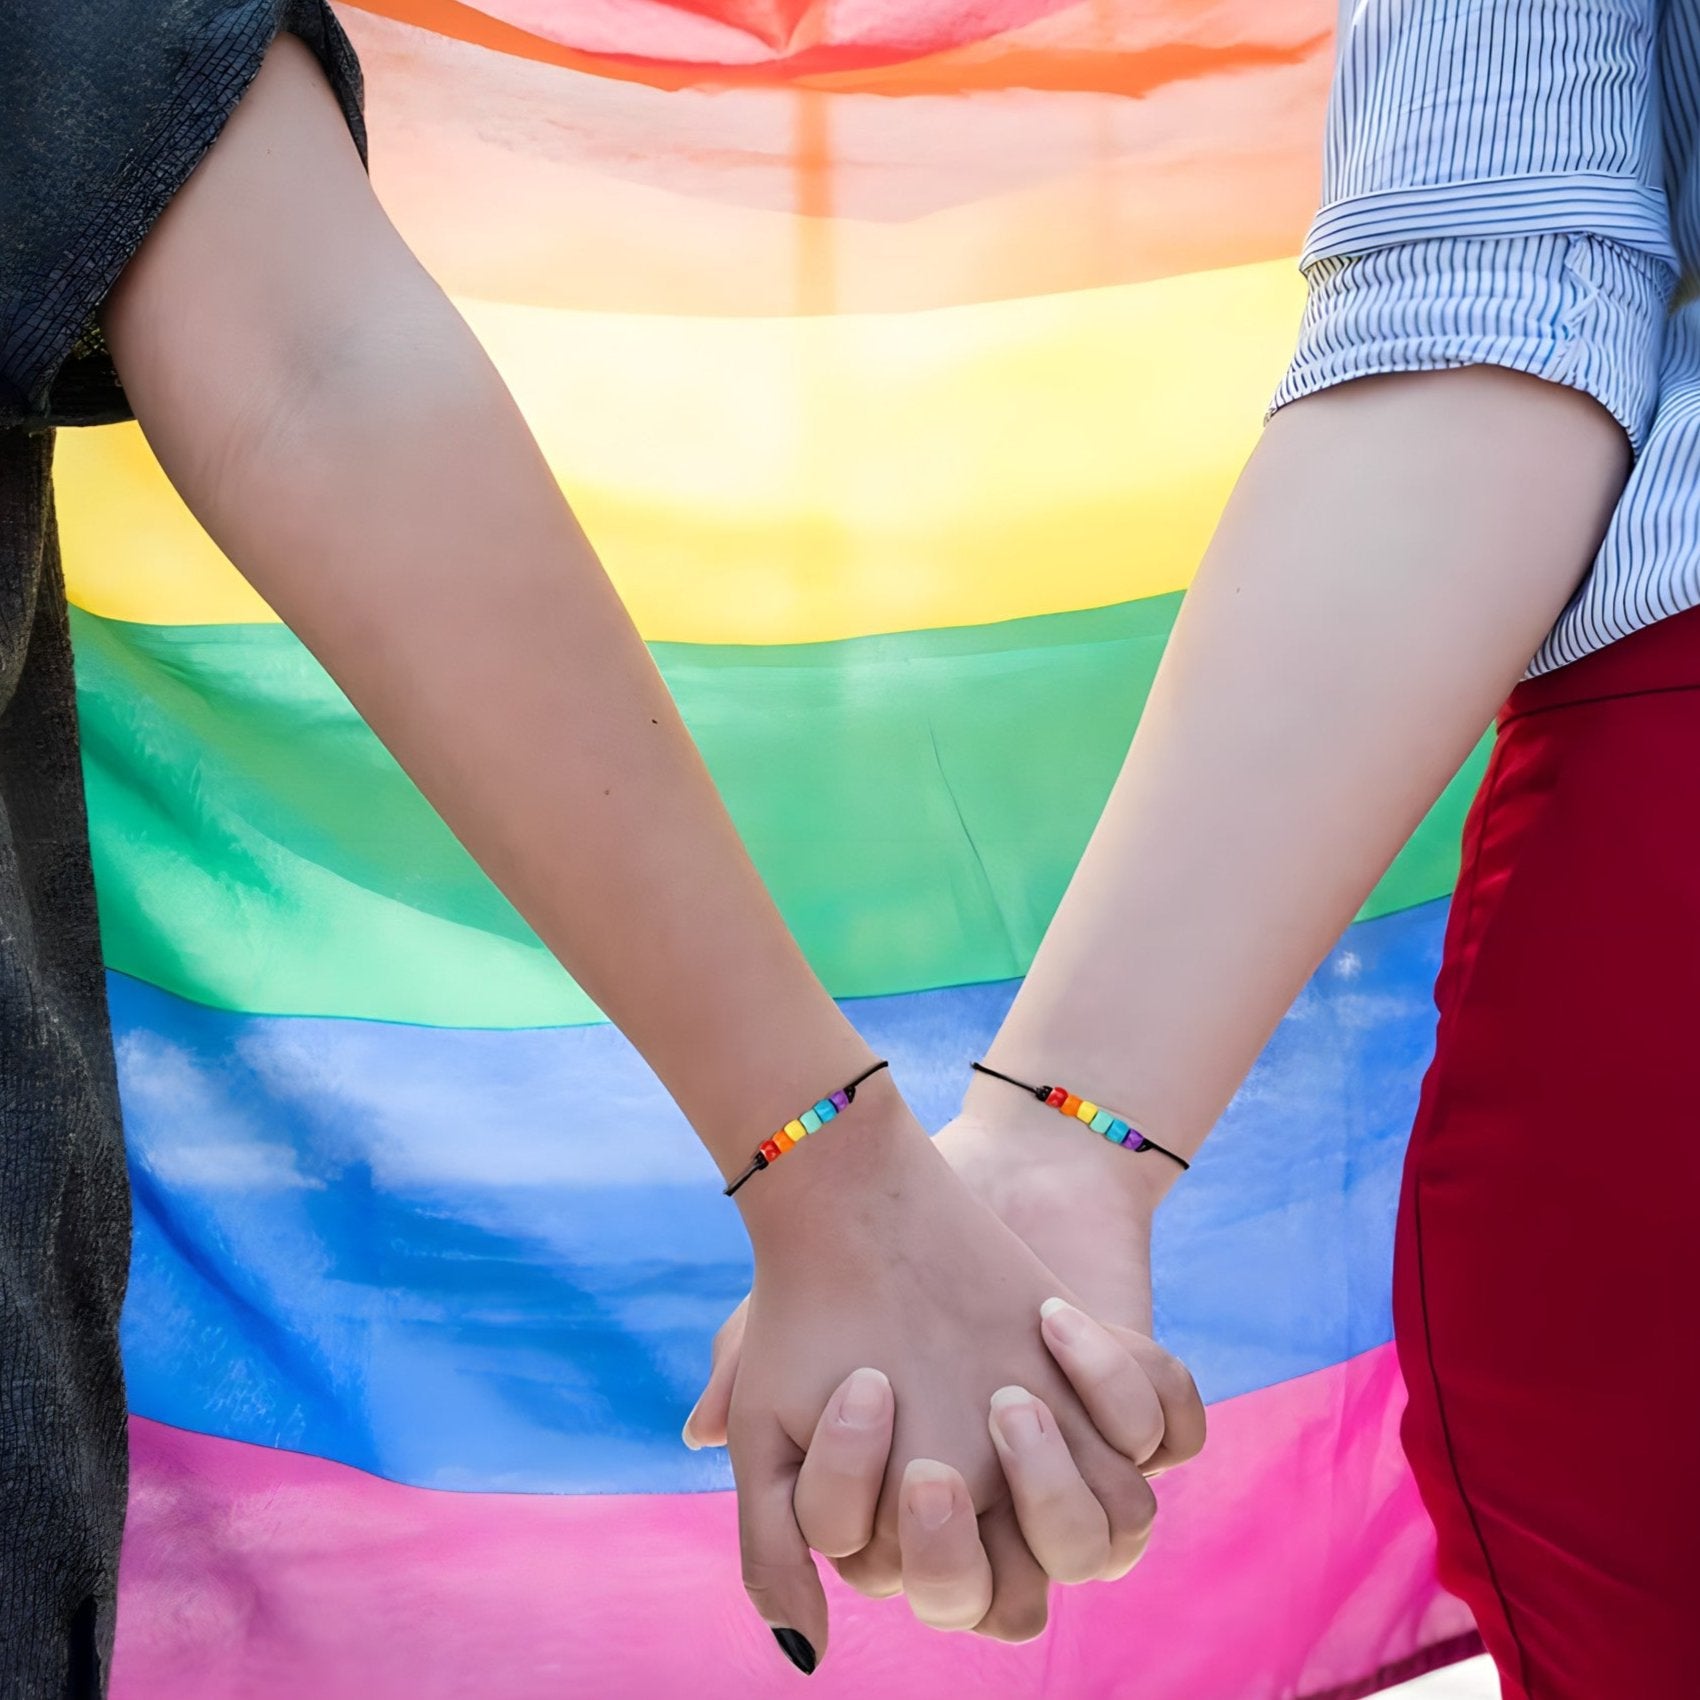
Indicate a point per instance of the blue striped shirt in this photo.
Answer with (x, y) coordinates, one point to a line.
(1515, 183)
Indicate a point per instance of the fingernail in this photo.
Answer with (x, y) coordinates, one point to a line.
(685, 1433)
(1064, 1320)
(863, 1401)
(1017, 1416)
(931, 1500)
(797, 1649)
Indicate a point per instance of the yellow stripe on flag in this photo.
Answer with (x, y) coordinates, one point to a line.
(789, 480)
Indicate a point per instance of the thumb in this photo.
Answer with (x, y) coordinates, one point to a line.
(779, 1571)
(706, 1425)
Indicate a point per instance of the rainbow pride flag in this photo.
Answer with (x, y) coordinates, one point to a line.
(898, 358)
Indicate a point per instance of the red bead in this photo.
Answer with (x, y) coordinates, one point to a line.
(1058, 1094)
(770, 1151)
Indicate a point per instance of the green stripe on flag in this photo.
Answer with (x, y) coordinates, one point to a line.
(915, 801)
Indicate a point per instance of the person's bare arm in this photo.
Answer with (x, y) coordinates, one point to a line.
(339, 431)
(1390, 559)
(331, 420)
(1469, 377)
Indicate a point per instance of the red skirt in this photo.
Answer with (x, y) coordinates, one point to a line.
(1547, 1275)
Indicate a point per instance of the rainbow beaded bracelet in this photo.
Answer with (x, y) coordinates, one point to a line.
(1112, 1126)
(815, 1117)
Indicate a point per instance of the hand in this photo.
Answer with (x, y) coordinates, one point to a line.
(874, 1253)
(1083, 1206)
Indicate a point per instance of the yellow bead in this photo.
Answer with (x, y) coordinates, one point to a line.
(783, 1140)
(1086, 1111)
(797, 1131)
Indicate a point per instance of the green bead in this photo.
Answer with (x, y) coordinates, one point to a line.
(1102, 1122)
(810, 1121)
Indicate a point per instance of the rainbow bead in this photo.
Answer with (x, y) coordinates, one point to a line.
(810, 1121)
(784, 1141)
(1113, 1128)
(797, 1131)
(826, 1109)
(841, 1101)
(771, 1151)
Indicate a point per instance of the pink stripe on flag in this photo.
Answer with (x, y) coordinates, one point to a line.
(1292, 1559)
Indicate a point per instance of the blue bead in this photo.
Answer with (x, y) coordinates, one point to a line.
(826, 1109)
(1117, 1130)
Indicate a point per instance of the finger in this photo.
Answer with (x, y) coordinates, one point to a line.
(1020, 1588)
(946, 1574)
(876, 1571)
(706, 1425)
(1118, 1485)
(779, 1574)
(1130, 1506)
(1064, 1526)
(1110, 1381)
(1184, 1420)
(838, 1486)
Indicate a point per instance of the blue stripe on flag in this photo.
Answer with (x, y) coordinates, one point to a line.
(493, 1260)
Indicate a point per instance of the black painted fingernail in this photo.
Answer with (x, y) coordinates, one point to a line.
(797, 1649)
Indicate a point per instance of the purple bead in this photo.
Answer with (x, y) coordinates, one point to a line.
(841, 1100)
(1135, 1140)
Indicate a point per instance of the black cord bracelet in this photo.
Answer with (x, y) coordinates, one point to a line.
(1113, 1127)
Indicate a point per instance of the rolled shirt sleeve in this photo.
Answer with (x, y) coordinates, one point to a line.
(1492, 196)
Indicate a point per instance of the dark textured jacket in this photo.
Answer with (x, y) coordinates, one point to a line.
(105, 108)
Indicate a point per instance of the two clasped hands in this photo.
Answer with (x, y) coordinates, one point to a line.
(943, 1379)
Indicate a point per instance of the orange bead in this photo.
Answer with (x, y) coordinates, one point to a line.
(783, 1140)
(1070, 1105)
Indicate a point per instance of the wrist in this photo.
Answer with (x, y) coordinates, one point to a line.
(1084, 1206)
(1013, 1133)
(845, 1178)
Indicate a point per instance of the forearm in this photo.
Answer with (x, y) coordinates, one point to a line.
(336, 427)
(1390, 559)
(420, 548)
